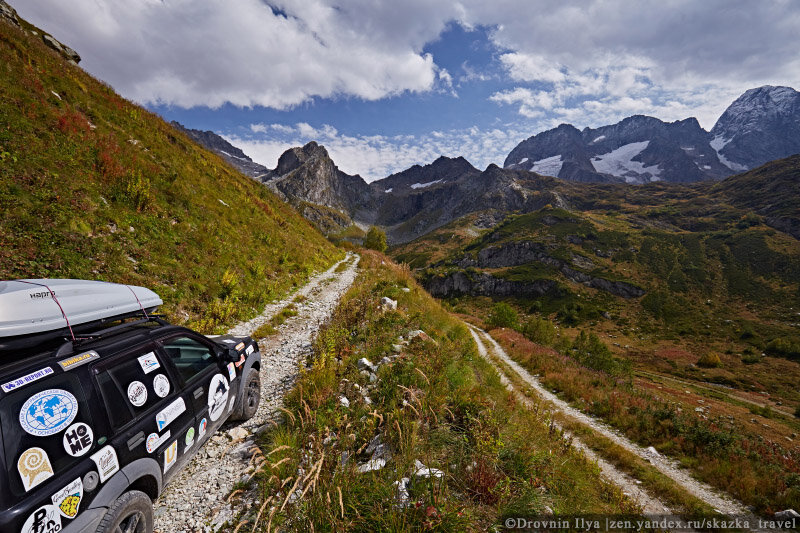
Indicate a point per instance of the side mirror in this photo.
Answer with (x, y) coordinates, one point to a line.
(231, 355)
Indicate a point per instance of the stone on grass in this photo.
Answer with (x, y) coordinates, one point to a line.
(365, 364)
(401, 497)
(388, 304)
(423, 472)
(343, 401)
(787, 514)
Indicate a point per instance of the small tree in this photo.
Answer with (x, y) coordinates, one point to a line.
(540, 331)
(709, 360)
(503, 316)
(375, 239)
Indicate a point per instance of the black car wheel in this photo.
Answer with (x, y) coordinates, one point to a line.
(252, 394)
(131, 513)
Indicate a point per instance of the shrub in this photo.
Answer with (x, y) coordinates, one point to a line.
(709, 360)
(780, 347)
(375, 239)
(540, 331)
(503, 316)
(591, 352)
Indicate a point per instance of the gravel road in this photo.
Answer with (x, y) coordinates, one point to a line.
(196, 500)
(649, 504)
(722, 503)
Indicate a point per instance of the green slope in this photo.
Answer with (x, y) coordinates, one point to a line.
(93, 186)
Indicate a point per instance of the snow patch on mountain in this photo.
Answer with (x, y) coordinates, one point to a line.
(423, 185)
(598, 139)
(389, 190)
(718, 143)
(620, 162)
(549, 166)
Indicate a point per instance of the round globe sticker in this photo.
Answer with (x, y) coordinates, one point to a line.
(48, 412)
(137, 393)
(217, 396)
(161, 385)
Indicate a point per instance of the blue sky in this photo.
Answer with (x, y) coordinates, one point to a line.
(385, 85)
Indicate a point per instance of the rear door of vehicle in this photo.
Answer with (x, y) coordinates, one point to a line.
(149, 410)
(206, 379)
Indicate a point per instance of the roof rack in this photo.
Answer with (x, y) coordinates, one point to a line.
(44, 311)
(71, 345)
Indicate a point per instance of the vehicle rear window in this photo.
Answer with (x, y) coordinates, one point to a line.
(131, 384)
(52, 407)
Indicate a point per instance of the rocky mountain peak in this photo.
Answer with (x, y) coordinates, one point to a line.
(761, 125)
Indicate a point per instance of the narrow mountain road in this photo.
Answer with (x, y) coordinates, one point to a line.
(722, 503)
(196, 500)
(649, 504)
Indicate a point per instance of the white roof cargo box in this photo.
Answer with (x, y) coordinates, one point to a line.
(26, 306)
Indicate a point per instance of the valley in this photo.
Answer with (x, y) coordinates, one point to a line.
(607, 324)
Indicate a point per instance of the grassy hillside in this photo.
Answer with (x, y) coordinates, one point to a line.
(95, 187)
(434, 400)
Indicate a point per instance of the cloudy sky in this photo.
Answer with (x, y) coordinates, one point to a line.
(386, 84)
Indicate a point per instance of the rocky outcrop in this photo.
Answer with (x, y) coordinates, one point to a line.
(483, 284)
(521, 252)
(230, 153)
(308, 174)
(8, 13)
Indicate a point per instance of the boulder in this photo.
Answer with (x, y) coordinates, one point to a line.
(387, 304)
(365, 364)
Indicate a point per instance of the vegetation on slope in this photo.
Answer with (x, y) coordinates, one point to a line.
(95, 187)
(434, 401)
(762, 470)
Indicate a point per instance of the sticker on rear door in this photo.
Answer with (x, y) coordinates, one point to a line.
(217, 396)
(69, 498)
(154, 440)
(201, 429)
(48, 412)
(170, 456)
(231, 372)
(25, 380)
(78, 439)
(107, 462)
(45, 519)
(34, 467)
(161, 385)
(170, 413)
(149, 362)
(137, 393)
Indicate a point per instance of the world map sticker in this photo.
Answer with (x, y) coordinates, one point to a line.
(69, 498)
(45, 519)
(137, 393)
(48, 412)
(217, 396)
(78, 439)
(161, 385)
(34, 467)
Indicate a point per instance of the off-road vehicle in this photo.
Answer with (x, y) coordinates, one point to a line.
(102, 403)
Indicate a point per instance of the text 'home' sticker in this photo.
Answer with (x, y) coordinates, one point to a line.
(148, 362)
(78, 439)
(161, 385)
(34, 467)
(48, 412)
(137, 393)
(69, 498)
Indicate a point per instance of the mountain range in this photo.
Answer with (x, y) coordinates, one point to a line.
(763, 124)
